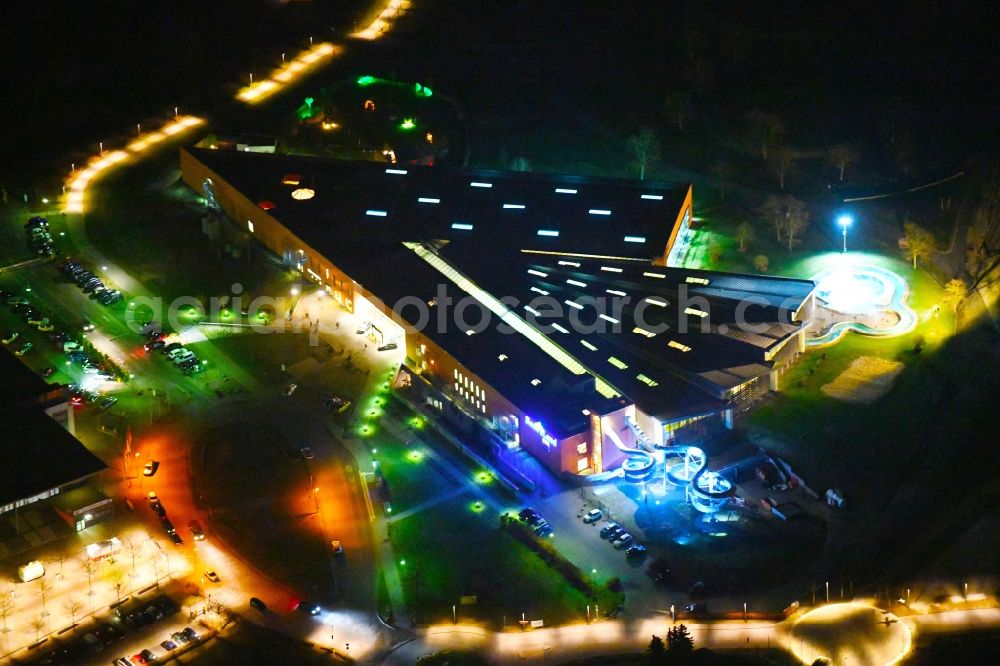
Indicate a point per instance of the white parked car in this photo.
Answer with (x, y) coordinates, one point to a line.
(593, 516)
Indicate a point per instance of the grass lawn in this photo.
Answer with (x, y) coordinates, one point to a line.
(451, 550)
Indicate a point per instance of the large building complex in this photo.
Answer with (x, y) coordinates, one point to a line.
(545, 312)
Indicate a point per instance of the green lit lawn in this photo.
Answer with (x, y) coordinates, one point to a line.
(452, 550)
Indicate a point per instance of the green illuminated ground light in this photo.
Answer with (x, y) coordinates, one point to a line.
(484, 478)
(407, 124)
(477, 507)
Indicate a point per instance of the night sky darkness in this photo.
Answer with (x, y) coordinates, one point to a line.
(81, 71)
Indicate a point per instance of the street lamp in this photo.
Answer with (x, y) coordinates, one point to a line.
(845, 221)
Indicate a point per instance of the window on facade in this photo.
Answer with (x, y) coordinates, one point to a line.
(582, 464)
(581, 449)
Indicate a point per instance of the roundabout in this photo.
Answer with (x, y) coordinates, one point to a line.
(867, 299)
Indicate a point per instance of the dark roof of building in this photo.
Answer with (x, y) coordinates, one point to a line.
(355, 201)
(502, 253)
(36, 452)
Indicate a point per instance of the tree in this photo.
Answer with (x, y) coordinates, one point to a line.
(679, 639)
(744, 234)
(37, 624)
(657, 650)
(6, 608)
(782, 161)
(762, 132)
(723, 172)
(842, 157)
(646, 148)
(44, 588)
(916, 242)
(715, 252)
(677, 107)
(133, 548)
(954, 293)
(91, 568)
(983, 241)
(760, 263)
(73, 607)
(520, 164)
(788, 215)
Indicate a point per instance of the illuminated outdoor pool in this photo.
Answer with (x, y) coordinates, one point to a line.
(863, 292)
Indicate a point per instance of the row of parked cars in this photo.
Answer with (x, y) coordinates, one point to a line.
(31, 314)
(89, 283)
(182, 357)
(534, 520)
(39, 237)
(620, 538)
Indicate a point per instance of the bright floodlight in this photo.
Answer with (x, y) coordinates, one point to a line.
(845, 220)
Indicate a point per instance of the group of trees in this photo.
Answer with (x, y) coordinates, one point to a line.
(788, 216)
(679, 642)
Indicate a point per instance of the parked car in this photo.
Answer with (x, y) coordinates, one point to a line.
(148, 655)
(180, 638)
(154, 344)
(191, 633)
(177, 351)
(337, 404)
(25, 348)
(188, 363)
(173, 346)
(108, 634)
(169, 646)
(212, 576)
(257, 604)
(593, 516)
(543, 529)
(635, 551)
(86, 326)
(307, 453)
(193, 369)
(47, 372)
(623, 541)
(108, 402)
(149, 469)
(10, 337)
(529, 515)
(338, 548)
(176, 538)
(611, 530)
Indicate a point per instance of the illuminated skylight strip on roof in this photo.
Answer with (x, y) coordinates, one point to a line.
(559, 328)
(532, 311)
(428, 200)
(656, 301)
(653, 197)
(470, 332)
(464, 226)
(618, 363)
(514, 206)
(642, 331)
(647, 380)
(696, 312)
(573, 304)
(575, 264)
(599, 211)
(548, 232)
(480, 184)
(635, 239)
(532, 271)
(581, 255)
(696, 280)
(565, 190)
(502, 357)
(509, 317)
(659, 276)
(576, 283)
(398, 172)
(677, 345)
(588, 345)
(376, 213)
(615, 292)
(607, 318)
(540, 291)
(536, 382)
(611, 269)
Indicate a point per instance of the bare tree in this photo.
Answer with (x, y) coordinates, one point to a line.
(677, 107)
(646, 148)
(73, 607)
(782, 160)
(788, 215)
(842, 157)
(723, 173)
(744, 234)
(6, 608)
(520, 164)
(916, 242)
(44, 588)
(983, 236)
(117, 582)
(764, 130)
(90, 567)
(37, 624)
(133, 548)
